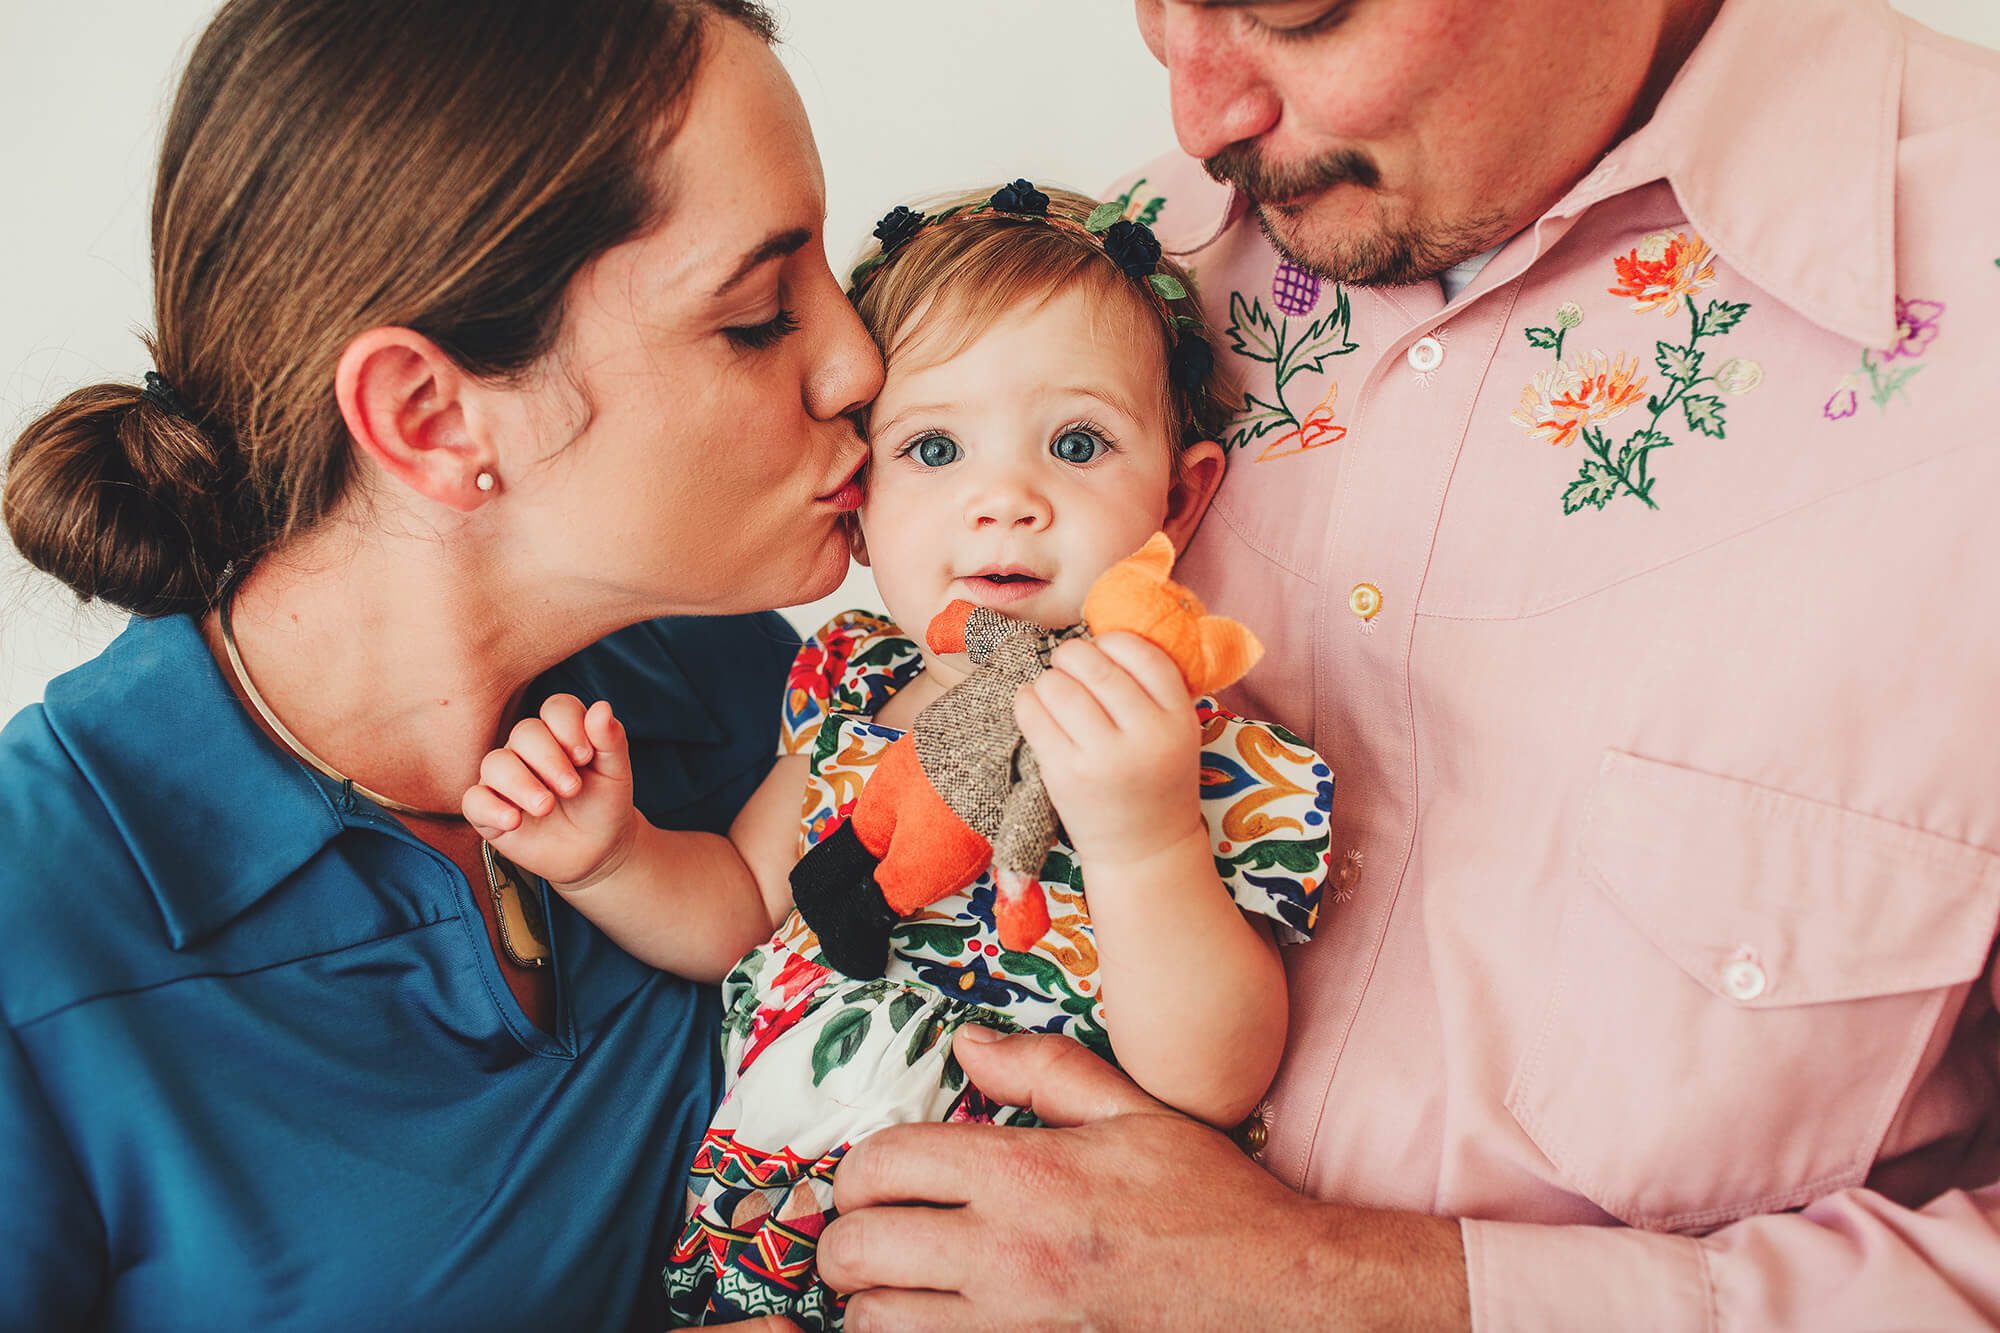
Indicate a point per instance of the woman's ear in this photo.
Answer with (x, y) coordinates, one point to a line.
(1197, 474)
(404, 402)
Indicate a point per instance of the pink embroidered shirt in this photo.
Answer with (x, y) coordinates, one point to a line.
(1644, 596)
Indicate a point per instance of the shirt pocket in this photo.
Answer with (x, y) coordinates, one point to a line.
(1746, 982)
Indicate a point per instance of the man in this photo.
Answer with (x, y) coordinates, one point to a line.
(1612, 489)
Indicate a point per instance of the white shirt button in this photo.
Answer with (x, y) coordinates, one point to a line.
(1743, 980)
(1426, 355)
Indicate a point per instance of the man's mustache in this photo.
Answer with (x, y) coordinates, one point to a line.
(1244, 167)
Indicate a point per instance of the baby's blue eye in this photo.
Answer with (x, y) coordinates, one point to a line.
(936, 450)
(1076, 446)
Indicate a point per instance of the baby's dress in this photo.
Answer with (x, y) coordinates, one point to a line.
(815, 1061)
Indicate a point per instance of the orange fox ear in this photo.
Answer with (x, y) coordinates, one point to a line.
(1156, 557)
(1228, 651)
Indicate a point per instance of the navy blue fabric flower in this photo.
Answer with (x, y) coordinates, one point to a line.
(1021, 197)
(1133, 247)
(897, 226)
(1190, 363)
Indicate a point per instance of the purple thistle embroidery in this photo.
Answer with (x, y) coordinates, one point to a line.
(1916, 327)
(1844, 403)
(1293, 290)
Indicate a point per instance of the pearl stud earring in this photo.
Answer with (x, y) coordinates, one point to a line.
(484, 481)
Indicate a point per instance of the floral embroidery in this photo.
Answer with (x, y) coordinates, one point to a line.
(1254, 334)
(1132, 208)
(1572, 400)
(1568, 315)
(1565, 399)
(1662, 269)
(1917, 326)
(1294, 290)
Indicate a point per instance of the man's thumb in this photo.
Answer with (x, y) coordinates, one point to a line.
(1057, 1079)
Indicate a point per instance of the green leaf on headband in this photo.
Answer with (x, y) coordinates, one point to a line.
(1102, 217)
(1168, 286)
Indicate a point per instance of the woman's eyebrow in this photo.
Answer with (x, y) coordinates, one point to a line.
(784, 244)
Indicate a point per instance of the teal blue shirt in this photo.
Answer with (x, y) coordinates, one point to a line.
(259, 1068)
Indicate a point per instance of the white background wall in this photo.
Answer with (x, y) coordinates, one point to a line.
(907, 96)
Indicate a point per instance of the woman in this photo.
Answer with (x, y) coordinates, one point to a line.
(452, 301)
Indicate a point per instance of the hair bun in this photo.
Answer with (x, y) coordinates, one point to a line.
(122, 500)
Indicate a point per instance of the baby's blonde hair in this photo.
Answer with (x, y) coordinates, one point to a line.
(975, 267)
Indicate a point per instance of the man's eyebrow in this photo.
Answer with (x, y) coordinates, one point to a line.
(776, 247)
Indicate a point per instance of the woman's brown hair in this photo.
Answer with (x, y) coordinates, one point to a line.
(332, 166)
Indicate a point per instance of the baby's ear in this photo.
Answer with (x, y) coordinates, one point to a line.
(857, 545)
(1197, 473)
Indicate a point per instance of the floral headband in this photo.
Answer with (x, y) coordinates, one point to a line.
(1129, 244)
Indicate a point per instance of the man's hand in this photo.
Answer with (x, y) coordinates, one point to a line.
(1130, 1216)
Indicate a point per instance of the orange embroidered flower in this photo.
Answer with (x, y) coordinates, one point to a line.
(1580, 392)
(1663, 268)
(1316, 431)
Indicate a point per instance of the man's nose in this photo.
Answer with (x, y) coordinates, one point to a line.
(1220, 95)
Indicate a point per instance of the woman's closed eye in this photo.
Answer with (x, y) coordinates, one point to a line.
(771, 331)
(1081, 442)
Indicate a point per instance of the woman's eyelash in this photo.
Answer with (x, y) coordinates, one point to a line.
(765, 334)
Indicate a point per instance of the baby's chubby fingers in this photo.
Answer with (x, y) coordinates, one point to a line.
(1148, 666)
(563, 715)
(510, 778)
(611, 749)
(537, 747)
(490, 814)
(1123, 700)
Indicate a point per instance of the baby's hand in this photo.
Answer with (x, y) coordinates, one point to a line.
(1118, 744)
(556, 800)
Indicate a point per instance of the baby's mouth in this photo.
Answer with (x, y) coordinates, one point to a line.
(1003, 585)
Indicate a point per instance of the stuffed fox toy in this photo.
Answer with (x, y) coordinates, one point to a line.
(961, 791)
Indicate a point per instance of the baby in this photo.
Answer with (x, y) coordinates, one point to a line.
(1046, 411)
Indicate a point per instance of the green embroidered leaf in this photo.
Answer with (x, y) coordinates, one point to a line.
(1595, 486)
(933, 937)
(1167, 285)
(1704, 413)
(1678, 363)
(906, 1006)
(923, 1036)
(1300, 858)
(1151, 212)
(1324, 337)
(954, 1077)
(1103, 216)
(1541, 337)
(1251, 331)
(1888, 386)
(838, 1041)
(1720, 317)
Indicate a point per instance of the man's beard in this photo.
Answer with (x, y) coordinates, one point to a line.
(1390, 253)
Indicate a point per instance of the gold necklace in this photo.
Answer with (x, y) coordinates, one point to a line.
(518, 909)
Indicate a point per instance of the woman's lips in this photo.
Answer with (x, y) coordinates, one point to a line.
(847, 497)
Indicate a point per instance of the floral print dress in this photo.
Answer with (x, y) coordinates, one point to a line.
(815, 1060)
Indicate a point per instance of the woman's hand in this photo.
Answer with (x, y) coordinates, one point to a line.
(556, 800)
(1118, 744)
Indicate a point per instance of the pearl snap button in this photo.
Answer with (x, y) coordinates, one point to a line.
(1365, 601)
(1426, 355)
(1743, 980)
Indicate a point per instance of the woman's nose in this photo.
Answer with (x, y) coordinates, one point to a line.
(1220, 95)
(848, 373)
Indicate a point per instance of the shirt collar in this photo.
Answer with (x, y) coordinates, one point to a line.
(1779, 138)
(215, 815)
